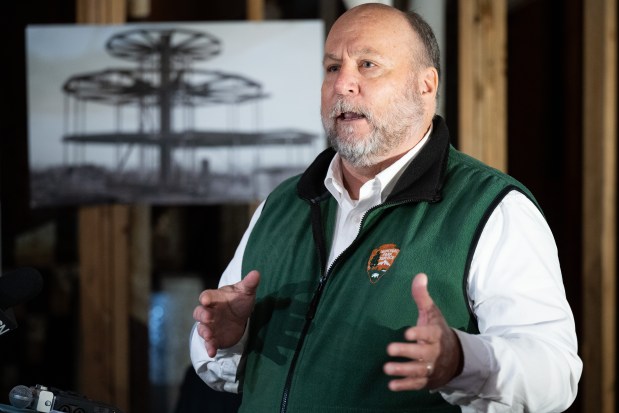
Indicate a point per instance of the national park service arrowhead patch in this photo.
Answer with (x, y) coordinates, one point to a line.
(381, 259)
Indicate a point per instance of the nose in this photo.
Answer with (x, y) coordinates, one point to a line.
(346, 82)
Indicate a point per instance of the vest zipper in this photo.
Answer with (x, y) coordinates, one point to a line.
(319, 242)
(309, 316)
(311, 312)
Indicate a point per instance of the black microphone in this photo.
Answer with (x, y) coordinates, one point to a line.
(17, 287)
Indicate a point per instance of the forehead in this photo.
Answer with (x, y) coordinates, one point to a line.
(371, 31)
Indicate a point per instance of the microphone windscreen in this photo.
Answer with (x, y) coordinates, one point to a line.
(21, 396)
(19, 286)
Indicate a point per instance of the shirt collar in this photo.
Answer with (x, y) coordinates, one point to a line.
(382, 183)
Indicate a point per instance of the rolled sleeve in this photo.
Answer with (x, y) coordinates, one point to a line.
(219, 372)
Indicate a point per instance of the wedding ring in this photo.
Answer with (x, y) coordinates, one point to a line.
(429, 369)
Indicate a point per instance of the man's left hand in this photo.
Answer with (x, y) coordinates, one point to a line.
(432, 348)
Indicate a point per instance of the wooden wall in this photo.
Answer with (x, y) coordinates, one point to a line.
(599, 343)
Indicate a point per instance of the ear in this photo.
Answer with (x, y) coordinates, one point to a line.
(428, 82)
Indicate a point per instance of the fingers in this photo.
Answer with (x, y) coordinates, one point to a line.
(425, 334)
(420, 293)
(205, 332)
(211, 350)
(204, 316)
(415, 351)
(413, 375)
(410, 382)
(431, 348)
(223, 313)
(209, 297)
(249, 284)
(209, 340)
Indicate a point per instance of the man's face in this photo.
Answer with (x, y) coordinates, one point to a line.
(371, 101)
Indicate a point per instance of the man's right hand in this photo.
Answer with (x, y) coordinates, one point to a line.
(223, 313)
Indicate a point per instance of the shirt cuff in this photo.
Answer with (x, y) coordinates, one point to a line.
(219, 372)
(479, 366)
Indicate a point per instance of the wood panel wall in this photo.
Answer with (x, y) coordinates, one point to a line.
(482, 117)
(482, 104)
(104, 303)
(599, 343)
(255, 9)
(104, 256)
(101, 11)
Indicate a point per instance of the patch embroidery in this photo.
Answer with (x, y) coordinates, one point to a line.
(381, 259)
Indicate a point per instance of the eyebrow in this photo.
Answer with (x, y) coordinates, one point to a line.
(359, 52)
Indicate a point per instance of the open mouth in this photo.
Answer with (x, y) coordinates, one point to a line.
(350, 116)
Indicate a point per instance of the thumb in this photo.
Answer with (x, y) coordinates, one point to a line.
(249, 284)
(422, 298)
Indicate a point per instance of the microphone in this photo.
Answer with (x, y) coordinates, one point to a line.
(21, 396)
(39, 398)
(17, 287)
(47, 399)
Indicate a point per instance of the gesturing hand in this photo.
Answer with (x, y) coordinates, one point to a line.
(223, 313)
(433, 349)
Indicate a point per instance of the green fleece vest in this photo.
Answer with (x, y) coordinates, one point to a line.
(337, 344)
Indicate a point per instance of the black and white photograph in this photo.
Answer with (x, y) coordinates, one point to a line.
(171, 113)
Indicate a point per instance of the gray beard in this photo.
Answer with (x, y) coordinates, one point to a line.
(404, 119)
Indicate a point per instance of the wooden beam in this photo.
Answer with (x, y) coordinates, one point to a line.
(105, 271)
(599, 205)
(482, 105)
(140, 262)
(255, 9)
(104, 303)
(101, 11)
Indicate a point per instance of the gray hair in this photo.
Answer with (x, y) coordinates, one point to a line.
(431, 54)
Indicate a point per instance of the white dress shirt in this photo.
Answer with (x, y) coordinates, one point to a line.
(525, 357)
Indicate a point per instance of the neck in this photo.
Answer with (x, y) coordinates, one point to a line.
(355, 176)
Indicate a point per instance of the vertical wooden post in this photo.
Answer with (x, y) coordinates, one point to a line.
(599, 145)
(482, 106)
(101, 11)
(115, 269)
(255, 9)
(104, 303)
(105, 272)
